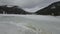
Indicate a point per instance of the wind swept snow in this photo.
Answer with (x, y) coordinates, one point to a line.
(29, 24)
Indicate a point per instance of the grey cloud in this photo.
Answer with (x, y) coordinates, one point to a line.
(21, 3)
(47, 2)
(27, 3)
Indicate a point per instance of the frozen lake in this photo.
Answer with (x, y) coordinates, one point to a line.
(17, 24)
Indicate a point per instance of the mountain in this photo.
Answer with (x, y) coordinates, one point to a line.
(52, 9)
(12, 10)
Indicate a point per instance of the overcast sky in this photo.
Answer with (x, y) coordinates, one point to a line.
(28, 5)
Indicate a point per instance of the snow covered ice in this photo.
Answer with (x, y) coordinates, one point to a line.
(29, 24)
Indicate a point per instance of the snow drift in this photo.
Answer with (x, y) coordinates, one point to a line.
(29, 24)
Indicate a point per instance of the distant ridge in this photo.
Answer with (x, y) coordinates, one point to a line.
(52, 9)
(12, 10)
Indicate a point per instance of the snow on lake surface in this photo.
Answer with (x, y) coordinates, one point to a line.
(29, 24)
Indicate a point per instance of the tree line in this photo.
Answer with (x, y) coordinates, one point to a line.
(12, 10)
